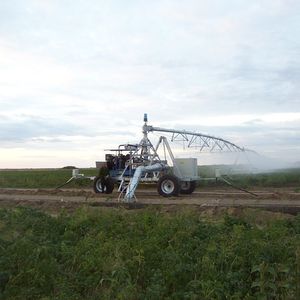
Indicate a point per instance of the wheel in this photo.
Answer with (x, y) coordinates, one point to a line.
(99, 185)
(168, 185)
(187, 187)
(110, 184)
(103, 185)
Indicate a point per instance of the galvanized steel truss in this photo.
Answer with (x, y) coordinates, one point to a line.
(199, 141)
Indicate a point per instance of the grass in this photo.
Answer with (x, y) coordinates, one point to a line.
(118, 254)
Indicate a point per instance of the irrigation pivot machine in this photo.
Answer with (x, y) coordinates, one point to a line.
(130, 164)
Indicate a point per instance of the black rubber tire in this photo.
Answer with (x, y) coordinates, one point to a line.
(99, 185)
(168, 185)
(110, 184)
(187, 187)
(103, 185)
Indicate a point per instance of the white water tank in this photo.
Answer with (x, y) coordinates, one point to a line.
(187, 167)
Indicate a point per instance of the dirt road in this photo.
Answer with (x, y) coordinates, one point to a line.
(283, 200)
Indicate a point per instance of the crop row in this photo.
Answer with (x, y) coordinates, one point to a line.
(119, 254)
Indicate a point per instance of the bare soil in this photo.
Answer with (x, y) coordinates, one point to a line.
(208, 200)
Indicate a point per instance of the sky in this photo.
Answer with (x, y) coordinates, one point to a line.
(77, 76)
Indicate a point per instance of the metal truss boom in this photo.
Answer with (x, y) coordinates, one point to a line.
(198, 140)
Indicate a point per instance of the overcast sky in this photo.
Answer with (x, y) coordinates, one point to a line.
(76, 76)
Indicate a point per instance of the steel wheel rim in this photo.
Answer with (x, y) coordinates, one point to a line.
(167, 186)
(99, 187)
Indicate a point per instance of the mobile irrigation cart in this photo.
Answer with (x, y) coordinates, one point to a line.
(130, 164)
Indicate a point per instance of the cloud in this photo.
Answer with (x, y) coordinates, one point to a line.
(33, 127)
(81, 75)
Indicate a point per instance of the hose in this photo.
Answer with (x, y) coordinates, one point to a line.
(68, 181)
(237, 187)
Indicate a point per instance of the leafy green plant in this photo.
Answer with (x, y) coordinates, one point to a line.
(119, 254)
(270, 280)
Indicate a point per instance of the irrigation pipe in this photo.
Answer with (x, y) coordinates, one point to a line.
(68, 181)
(236, 187)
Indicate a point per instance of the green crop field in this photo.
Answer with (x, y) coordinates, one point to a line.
(51, 178)
(42, 178)
(148, 254)
(276, 178)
